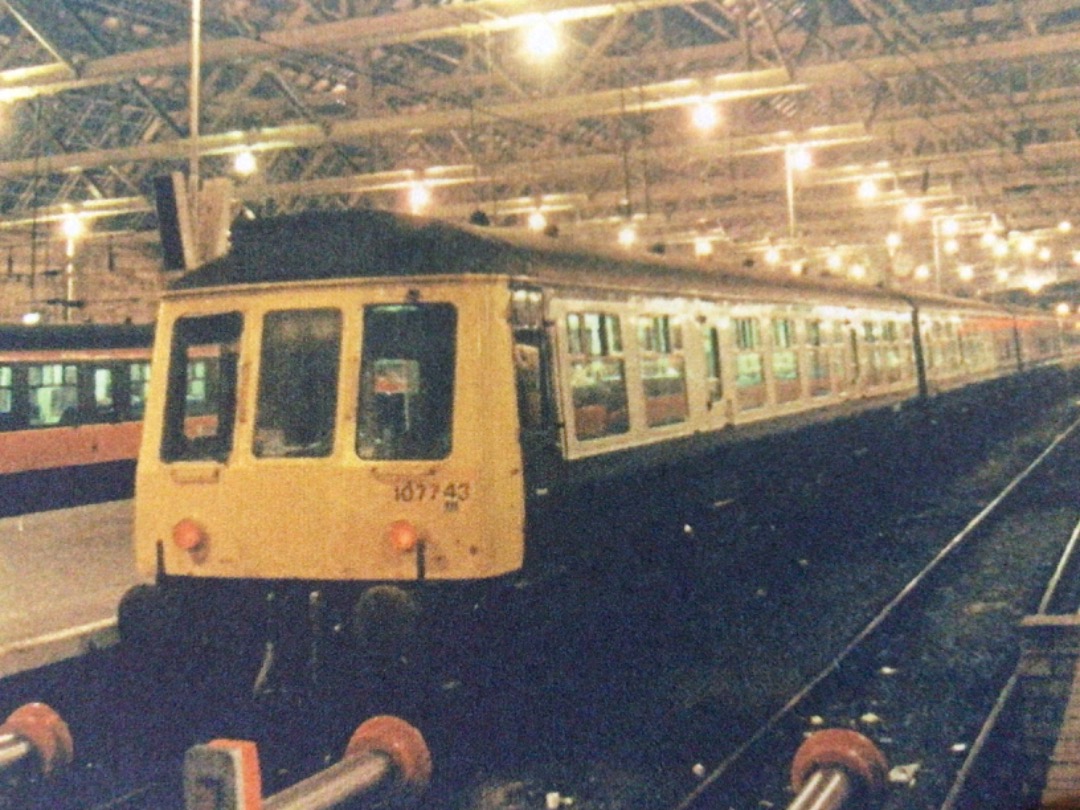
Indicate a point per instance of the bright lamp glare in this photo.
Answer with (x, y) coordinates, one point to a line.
(868, 190)
(799, 158)
(541, 40)
(244, 163)
(537, 221)
(72, 226)
(703, 247)
(704, 116)
(913, 211)
(627, 236)
(922, 272)
(419, 197)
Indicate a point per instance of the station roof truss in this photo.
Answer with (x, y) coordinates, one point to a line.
(969, 106)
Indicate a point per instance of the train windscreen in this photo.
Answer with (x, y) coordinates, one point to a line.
(201, 401)
(406, 381)
(298, 378)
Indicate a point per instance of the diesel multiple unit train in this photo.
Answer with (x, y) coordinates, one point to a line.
(369, 411)
(71, 406)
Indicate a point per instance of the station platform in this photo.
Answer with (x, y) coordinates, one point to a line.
(62, 574)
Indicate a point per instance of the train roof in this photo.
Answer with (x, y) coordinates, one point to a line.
(324, 245)
(76, 336)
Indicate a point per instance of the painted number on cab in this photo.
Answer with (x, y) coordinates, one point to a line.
(452, 495)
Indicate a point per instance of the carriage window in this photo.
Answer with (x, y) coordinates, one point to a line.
(818, 355)
(785, 360)
(103, 388)
(749, 367)
(406, 381)
(7, 399)
(712, 364)
(138, 381)
(662, 371)
(298, 375)
(597, 374)
(201, 399)
(54, 394)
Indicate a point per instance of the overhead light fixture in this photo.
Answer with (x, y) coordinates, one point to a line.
(868, 189)
(72, 226)
(627, 235)
(798, 157)
(541, 39)
(419, 197)
(704, 116)
(244, 163)
(912, 211)
(537, 221)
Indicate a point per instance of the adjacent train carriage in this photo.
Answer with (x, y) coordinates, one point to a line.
(394, 398)
(71, 406)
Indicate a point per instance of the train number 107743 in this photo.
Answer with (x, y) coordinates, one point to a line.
(419, 491)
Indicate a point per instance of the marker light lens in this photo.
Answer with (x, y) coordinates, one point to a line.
(403, 535)
(189, 535)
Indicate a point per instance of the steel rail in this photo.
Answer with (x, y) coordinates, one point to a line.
(771, 723)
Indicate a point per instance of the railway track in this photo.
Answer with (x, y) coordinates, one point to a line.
(926, 678)
(663, 693)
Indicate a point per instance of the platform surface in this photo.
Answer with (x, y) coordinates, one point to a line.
(62, 574)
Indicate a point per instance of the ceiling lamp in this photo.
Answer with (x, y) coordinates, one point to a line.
(537, 221)
(627, 235)
(704, 116)
(868, 189)
(798, 157)
(912, 211)
(541, 39)
(419, 197)
(244, 164)
(703, 247)
(72, 226)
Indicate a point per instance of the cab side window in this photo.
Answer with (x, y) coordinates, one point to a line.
(200, 404)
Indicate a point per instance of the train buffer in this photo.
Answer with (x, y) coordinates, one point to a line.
(37, 738)
(386, 757)
(834, 767)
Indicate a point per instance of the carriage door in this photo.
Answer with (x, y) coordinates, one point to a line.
(539, 433)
